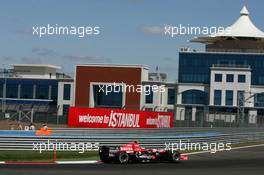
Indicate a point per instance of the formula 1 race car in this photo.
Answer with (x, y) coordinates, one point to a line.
(132, 152)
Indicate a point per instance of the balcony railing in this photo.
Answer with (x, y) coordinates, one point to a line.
(236, 50)
(230, 66)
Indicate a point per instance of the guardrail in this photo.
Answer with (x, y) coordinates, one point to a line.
(23, 140)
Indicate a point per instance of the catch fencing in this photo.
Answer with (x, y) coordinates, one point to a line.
(23, 140)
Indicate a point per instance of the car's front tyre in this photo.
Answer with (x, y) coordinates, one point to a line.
(175, 157)
(123, 157)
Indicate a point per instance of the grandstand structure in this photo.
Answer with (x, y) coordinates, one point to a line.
(29, 90)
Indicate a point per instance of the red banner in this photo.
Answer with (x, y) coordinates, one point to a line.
(117, 118)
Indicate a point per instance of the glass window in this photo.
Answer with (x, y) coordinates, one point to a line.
(26, 91)
(160, 98)
(218, 77)
(42, 92)
(170, 110)
(229, 78)
(11, 91)
(67, 92)
(148, 95)
(241, 78)
(171, 96)
(194, 97)
(65, 110)
(54, 92)
(112, 99)
(229, 98)
(261, 79)
(196, 74)
(217, 97)
(1, 90)
(259, 100)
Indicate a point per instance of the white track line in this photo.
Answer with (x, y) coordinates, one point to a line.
(241, 147)
(78, 162)
(60, 162)
(250, 146)
(199, 152)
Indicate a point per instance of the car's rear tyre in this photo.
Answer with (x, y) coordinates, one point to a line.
(123, 158)
(175, 157)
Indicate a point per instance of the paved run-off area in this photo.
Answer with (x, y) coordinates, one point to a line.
(240, 162)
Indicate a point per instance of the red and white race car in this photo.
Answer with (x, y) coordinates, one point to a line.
(132, 152)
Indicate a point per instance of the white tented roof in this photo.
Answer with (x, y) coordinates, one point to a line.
(243, 27)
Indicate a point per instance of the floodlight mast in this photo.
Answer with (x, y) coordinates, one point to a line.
(241, 107)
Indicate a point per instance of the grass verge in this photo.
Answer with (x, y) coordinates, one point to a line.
(35, 156)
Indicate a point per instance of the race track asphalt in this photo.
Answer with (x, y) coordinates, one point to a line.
(249, 161)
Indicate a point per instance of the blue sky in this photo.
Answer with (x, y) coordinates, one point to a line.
(122, 38)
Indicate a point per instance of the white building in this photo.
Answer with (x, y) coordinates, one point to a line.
(226, 82)
(37, 87)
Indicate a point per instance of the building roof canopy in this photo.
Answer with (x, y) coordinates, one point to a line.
(241, 28)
